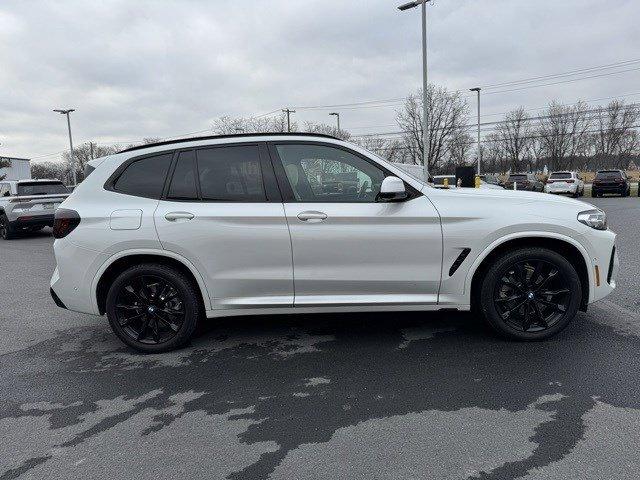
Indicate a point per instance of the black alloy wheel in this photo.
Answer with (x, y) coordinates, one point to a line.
(6, 232)
(531, 294)
(153, 308)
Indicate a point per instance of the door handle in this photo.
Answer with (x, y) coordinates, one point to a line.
(312, 216)
(173, 216)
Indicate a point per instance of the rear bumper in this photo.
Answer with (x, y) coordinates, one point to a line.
(25, 221)
(562, 189)
(609, 188)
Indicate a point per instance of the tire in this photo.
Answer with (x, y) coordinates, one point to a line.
(594, 193)
(530, 316)
(6, 231)
(153, 308)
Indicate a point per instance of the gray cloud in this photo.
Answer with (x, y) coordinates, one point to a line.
(162, 68)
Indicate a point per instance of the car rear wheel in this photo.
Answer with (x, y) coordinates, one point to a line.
(153, 308)
(530, 294)
(6, 231)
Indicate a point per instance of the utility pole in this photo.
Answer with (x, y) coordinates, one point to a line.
(288, 112)
(477, 90)
(73, 158)
(426, 140)
(337, 115)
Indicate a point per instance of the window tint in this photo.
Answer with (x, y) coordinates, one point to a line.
(41, 188)
(231, 174)
(560, 175)
(319, 173)
(183, 182)
(145, 177)
(608, 175)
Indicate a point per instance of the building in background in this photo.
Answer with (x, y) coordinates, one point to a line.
(20, 168)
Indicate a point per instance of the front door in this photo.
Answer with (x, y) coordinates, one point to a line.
(222, 210)
(348, 247)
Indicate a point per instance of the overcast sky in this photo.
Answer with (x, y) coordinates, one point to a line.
(136, 69)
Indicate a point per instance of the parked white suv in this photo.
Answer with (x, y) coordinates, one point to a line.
(159, 236)
(565, 182)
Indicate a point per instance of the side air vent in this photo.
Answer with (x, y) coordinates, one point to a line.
(459, 260)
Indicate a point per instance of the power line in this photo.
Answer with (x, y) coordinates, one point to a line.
(564, 74)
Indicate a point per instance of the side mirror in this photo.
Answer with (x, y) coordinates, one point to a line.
(392, 190)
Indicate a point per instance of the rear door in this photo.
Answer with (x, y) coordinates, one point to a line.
(348, 247)
(222, 210)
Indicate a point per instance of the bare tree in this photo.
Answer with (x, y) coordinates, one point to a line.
(4, 163)
(459, 147)
(516, 134)
(54, 170)
(326, 130)
(447, 112)
(494, 155)
(226, 125)
(564, 133)
(389, 149)
(614, 138)
(84, 153)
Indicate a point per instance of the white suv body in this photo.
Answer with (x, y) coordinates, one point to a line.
(565, 182)
(306, 223)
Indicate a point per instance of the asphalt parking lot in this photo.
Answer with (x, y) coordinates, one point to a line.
(375, 396)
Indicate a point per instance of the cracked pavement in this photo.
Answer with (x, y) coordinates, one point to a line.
(371, 396)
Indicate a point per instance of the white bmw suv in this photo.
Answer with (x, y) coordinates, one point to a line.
(162, 235)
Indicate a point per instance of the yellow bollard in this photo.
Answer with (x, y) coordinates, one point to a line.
(477, 181)
(445, 183)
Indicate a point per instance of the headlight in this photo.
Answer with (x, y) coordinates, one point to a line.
(593, 218)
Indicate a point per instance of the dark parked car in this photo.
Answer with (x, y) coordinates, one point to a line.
(611, 181)
(524, 181)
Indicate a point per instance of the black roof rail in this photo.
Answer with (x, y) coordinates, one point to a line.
(234, 135)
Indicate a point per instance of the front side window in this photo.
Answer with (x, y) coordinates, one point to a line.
(319, 173)
(144, 177)
(231, 174)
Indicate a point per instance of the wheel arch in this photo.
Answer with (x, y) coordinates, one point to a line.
(123, 260)
(565, 246)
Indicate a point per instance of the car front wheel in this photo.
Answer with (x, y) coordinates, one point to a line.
(530, 294)
(153, 308)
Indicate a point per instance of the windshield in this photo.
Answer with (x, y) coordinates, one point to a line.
(41, 188)
(608, 175)
(517, 177)
(560, 176)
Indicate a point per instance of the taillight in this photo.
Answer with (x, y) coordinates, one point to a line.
(549, 181)
(65, 222)
(569, 181)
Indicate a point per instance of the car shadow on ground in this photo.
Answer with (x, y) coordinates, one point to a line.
(301, 378)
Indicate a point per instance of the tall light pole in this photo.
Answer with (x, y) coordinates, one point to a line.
(425, 111)
(73, 158)
(337, 115)
(477, 89)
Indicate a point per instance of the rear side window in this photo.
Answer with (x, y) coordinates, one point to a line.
(183, 182)
(144, 177)
(231, 174)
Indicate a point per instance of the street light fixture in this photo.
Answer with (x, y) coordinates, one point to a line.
(477, 89)
(425, 128)
(73, 158)
(337, 115)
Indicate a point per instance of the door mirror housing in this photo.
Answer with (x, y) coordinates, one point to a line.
(392, 190)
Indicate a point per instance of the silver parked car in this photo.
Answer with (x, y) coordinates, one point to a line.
(28, 205)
